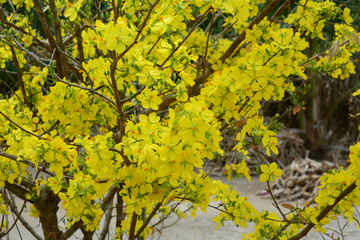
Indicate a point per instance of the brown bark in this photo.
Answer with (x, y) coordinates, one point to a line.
(47, 204)
(88, 235)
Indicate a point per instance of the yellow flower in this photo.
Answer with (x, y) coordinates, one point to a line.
(150, 99)
(34, 212)
(357, 92)
(54, 184)
(269, 172)
(348, 19)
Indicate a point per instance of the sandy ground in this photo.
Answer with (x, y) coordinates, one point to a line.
(203, 227)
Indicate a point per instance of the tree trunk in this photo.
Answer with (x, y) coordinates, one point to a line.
(47, 204)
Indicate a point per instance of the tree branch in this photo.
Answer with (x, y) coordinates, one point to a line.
(69, 232)
(19, 74)
(18, 190)
(132, 226)
(196, 25)
(22, 220)
(105, 228)
(152, 6)
(146, 222)
(166, 101)
(17, 216)
(21, 128)
(324, 212)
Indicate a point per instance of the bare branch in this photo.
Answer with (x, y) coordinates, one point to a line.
(324, 212)
(18, 70)
(60, 60)
(105, 228)
(108, 197)
(119, 96)
(22, 219)
(134, 95)
(132, 226)
(146, 222)
(50, 129)
(71, 37)
(21, 193)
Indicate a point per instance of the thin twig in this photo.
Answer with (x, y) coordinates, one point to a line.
(207, 46)
(21, 128)
(125, 158)
(66, 82)
(210, 26)
(50, 129)
(350, 104)
(19, 74)
(196, 25)
(22, 220)
(152, 6)
(16, 219)
(267, 182)
(322, 52)
(133, 96)
(153, 46)
(225, 30)
(280, 10)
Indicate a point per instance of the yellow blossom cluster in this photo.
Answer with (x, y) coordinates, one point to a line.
(130, 98)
